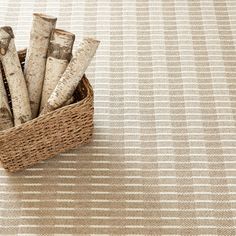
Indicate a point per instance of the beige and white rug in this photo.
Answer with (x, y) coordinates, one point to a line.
(163, 157)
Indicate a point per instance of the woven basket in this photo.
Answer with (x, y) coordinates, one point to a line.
(44, 137)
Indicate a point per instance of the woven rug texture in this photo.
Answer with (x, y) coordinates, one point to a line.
(163, 156)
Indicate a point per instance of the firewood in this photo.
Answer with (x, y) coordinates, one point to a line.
(59, 55)
(14, 76)
(6, 119)
(70, 101)
(72, 75)
(36, 58)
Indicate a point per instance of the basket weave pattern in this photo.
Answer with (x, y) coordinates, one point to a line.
(50, 134)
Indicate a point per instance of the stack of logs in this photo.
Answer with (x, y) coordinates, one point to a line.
(51, 73)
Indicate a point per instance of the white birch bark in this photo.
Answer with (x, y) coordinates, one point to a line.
(6, 119)
(14, 76)
(36, 58)
(70, 101)
(72, 75)
(59, 55)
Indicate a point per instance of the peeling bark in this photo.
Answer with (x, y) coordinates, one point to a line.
(14, 76)
(59, 55)
(72, 75)
(36, 58)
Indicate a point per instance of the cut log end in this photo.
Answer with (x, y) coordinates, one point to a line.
(61, 44)
(45, 17)
(9, 30)
(63, 34)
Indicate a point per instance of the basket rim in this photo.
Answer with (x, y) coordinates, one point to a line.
(88, 97)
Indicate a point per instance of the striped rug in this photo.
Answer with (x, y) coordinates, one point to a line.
(163, 156)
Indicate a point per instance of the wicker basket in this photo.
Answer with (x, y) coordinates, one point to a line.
(50, 134)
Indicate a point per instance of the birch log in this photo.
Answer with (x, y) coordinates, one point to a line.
(14, 76)
(72, 75)
(6, 119)
(70, 101)
(36, 58)
(59, 55)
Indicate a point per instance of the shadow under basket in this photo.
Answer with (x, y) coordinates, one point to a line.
(47, 135)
